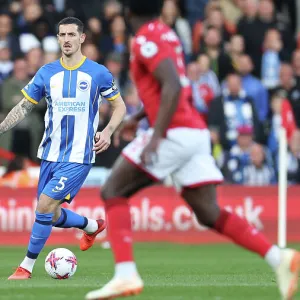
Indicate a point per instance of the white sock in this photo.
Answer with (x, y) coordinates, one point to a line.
(273, 257)
(126, 270)
(28, 263)
(91, 226)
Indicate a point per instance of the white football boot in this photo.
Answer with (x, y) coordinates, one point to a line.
(117, 287)
(287, 273)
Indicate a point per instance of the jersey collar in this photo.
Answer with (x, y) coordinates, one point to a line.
(74, 67)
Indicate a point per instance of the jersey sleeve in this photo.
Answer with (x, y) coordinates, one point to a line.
(34, 91)
(152, 51)
(108, 88)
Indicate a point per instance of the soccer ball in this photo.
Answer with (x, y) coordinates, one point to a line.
(61, 263)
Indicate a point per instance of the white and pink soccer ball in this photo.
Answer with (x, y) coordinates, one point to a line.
(61, 263)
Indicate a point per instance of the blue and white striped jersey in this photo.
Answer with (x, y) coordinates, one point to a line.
(73, 97)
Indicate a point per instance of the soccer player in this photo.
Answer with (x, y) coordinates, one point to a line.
(178, 143)
(73, 87)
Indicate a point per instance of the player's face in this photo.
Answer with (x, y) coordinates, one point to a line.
(70, 39)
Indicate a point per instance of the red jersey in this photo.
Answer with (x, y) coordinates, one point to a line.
(153, 43)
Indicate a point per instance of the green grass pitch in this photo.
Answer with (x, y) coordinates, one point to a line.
(171, 272)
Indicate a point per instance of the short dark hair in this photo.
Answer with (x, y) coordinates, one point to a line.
(151, 8)
(72, 20)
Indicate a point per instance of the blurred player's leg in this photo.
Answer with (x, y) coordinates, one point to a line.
(285, 263)
(124, 181)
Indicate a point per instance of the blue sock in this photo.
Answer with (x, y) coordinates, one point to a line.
(69, 219)
(40, 233)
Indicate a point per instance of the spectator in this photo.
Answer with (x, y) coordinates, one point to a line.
(25, 137)
(207, 76)
(91, 52)
(239, 155)
(28, 41)
(271, 59)
(7, 37)
(195, 10)
(133, 105)
(171, 16)
(111, 9)
(116, 40)
(232, 110)
(296, 66)
(253, 86)
(94, 30)
(114, 63)
(220, 62)
(236, 47)
(256, 170)
(232, 10)
(289, 90)
(216, 20)
(34, 59)
(249, 29)
(267, 19)
(290, 5)
(282, 116)
(6, 64)
(202, 92)
(204, 82)
(260, 171)
(32, 20)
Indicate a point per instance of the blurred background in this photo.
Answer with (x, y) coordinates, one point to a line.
(242, 59)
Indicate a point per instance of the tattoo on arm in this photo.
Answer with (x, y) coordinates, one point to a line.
(16, 115)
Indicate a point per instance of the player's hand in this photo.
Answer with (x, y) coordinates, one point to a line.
(126, 130)
(149, 154)
(102, 141)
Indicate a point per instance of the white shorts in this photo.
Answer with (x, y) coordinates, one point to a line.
(185, 154)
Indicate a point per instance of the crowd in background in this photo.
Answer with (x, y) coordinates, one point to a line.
(242, 57)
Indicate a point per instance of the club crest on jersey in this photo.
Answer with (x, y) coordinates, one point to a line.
(149, 49)
(83, 85)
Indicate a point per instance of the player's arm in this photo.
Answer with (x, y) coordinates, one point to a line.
(33, 92)
(16, 115)
(168, 78)
(103, 139)
(127, 129)
(167, 75)
(110, 92)
(118, 114)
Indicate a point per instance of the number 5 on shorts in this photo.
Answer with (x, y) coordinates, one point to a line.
(61, 183)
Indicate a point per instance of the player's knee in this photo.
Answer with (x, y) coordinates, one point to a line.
(109, 191)
(47, 205)
(207, 215)
(204, 204)
(106, 193)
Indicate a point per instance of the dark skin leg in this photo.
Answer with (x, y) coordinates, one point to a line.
(203, 201)
(124, 180)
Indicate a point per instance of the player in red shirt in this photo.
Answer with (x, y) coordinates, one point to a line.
(177, 144)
